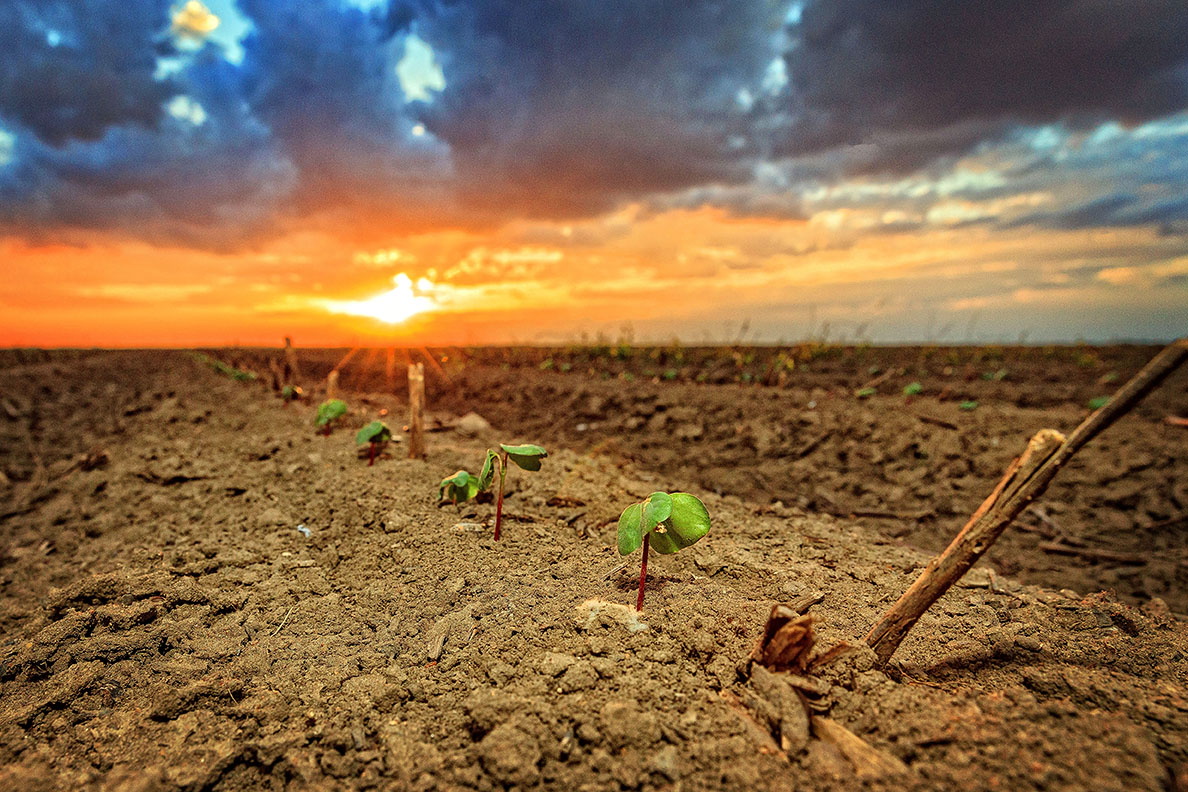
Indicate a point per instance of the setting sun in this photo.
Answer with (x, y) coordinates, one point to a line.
(393, 306)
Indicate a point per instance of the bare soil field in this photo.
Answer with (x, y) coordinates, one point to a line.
(197, 592)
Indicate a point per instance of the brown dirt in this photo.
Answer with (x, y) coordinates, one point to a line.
(166, 626)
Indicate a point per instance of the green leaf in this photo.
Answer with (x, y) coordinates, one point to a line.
(915, 389)
(374, 432)
(487, 474)
(630, 537)
(865, 393)
(525, 456)
(1099, 402)
(459, 487)
(656, 510)
(968, 406)
(688, 522)
(331, 411)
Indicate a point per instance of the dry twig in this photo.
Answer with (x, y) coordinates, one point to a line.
(1025, 480)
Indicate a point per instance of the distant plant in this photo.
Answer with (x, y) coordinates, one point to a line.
(526, 457)
(459, 487)
(865, 393)
(291, 393)
(670, 374)
(669, 522)
(995, 376)
(547, 364)
(377, 435)
(239, 375)
(968, 406)
(1099, 402)
(914, 389)
(463, 486)
(329, 413)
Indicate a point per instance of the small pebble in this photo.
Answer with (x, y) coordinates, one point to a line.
(1027, 642)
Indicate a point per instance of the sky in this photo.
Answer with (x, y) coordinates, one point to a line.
(535, 171)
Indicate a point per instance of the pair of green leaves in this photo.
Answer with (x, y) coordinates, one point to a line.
(463, 486)
(459, 487)
(525, 456)
(330, 411)
(671, 522)
(374, 432)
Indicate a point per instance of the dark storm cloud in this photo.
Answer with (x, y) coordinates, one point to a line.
(211, 185)
(70, 71)
(550, 110)
(950, 74)
(568, 107)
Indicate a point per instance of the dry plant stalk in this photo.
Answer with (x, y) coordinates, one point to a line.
(332, 385)
(787, 640)
(292, 374)
(416, 410)
(1025, 480)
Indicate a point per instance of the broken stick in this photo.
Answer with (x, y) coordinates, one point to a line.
(1025, 480)
(416, 410)
(292, 374)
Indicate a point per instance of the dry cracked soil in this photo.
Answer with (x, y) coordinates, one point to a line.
(197, 592)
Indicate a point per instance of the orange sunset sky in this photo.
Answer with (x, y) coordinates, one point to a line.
(365, 171)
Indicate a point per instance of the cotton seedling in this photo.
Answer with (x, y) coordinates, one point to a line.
(458, 488)
(914, 389)
(291, 393)
(377, 435)
(329, 412)
(666, 522)
(526, 457)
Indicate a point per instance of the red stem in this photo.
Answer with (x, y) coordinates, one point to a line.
(371, 455)
(499, 500)
(643, 576)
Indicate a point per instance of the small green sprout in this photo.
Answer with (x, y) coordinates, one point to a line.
(377, 434)
(968, 406)
(459, 487)
(291, 393)
(526, 457)
(865, 393)
(239, 375)
(1099, 402)
(915, 389)
(670, 521)
(328, 413)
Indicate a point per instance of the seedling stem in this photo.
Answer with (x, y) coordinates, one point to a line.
(643, 576)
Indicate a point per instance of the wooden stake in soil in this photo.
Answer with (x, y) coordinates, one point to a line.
(416, 410)
(332, 385)
(292, 373)
(1025, 480)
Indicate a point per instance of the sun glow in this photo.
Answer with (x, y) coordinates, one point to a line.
(394, 306)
